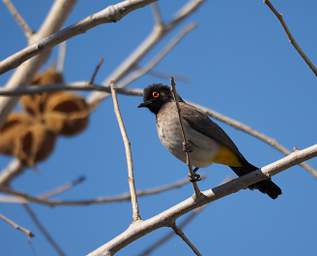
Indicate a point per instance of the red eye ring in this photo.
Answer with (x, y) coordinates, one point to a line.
(155, 94)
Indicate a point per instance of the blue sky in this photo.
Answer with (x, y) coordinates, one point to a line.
(240, 63)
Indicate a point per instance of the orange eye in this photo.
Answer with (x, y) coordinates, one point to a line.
(155, 94)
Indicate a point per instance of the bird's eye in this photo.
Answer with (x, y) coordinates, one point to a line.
(155, 94)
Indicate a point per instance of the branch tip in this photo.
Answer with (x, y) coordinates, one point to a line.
(291, 38)
(19, 19)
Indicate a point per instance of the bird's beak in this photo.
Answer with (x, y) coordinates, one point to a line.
(145, 104)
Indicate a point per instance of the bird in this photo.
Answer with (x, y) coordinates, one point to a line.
(208, 142)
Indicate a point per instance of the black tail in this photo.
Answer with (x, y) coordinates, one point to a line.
(266, 186)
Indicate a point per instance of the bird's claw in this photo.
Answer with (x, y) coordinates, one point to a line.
(194, 178)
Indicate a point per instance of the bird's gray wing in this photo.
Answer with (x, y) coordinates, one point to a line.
(202, 123)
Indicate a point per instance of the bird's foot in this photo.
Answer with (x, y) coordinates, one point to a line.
(187, 147)
(194, 178)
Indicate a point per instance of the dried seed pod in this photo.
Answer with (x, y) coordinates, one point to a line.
(15, 124)
(34, 104)
(54, 121)
(34, 144)
(73, 108)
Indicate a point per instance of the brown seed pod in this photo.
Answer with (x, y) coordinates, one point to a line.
(34, 144)
(74, 110)
(15, 124)
(34, 104)
(54, 121)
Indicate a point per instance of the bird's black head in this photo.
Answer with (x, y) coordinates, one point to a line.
(155, 96)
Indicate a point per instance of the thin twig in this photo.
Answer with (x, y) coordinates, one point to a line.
(20, 197)
(165, 217)
(182, 235)
(94, 74)
(75, 86)
(127, 146)
(185, 140)
(43, 230)
(292, 40)
(63, 188)
(60, 63)
(16, 226)
(19, 19)
(170, 234)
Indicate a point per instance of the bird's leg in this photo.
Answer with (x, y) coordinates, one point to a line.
(196, 177)
(187, 147)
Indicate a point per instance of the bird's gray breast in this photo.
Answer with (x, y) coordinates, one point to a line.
(169, 130)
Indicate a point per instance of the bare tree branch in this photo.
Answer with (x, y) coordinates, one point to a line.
(186, 145)
(164, 218)
(63, 188)
(23, 74)
(75, 86)
(182, 235)
(110, 14)
(292, 40)
(16, 226)
(20, 197)
(127, 146)
(19, 19)
(43, 230)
